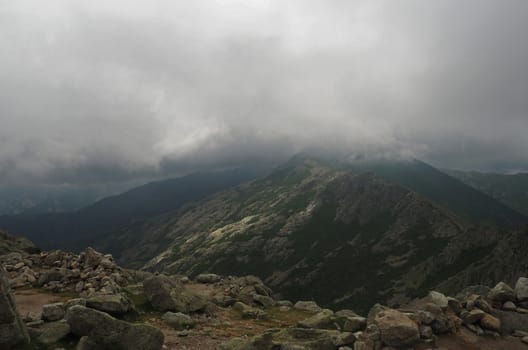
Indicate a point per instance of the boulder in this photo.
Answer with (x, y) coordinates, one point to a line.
(509, 306)
(309, 306)
(490, 322)
(439, 299)
(521, 289)
(92, 258)
(13, 332)
(208, 278)
(53, 332)
(501, 293)
(473, 316)
(263, 300)
(511, 321)
(166, 294)
(396, 328)
(178, 320)
(249, 312)
(354, 324)
(321, 320)
(108, 333)
(53, 312)
(116, 304)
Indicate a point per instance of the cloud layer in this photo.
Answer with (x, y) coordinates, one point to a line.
(115, 90)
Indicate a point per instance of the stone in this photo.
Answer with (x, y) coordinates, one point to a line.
(524, 340)
(396, 328)
(208, 278)
(501, 293)
(521, 289)
(509, 306)
(53, 332)
(511, 321)
(106, 332)
(346, 313)
(426, 332)
(321, 320)
(519, 334)
(310, 306)
(73, 302)
(53, 312)
(92, 258)
(454, 305)
(51, 276)
(439, 299)
(286, 303)
(473, 316)
(263, 300)
(354, 324)
(490, 322)
(249, 312)
(116, 304)
(165, 294)
(178, 320)
(13, 332)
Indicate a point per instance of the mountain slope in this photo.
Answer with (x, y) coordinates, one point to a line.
(311, 231)
(65, 230)
(444, 190)
(511, 190)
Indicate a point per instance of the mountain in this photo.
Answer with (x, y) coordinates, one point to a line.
(67, 230)
(36, 199)
(312, 231)
(449, 192)
(509, 189)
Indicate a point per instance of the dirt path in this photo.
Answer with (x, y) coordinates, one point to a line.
(31, 300)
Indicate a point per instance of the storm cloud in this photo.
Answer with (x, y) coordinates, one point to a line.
(96, 91)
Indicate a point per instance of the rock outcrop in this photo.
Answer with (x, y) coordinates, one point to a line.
(106, 332)
(12, 330)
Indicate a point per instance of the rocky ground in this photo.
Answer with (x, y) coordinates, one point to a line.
(59, 300)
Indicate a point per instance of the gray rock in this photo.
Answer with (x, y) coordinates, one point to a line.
(321, 320)
(511, 321)
(284, 303)
(208, 278)
(354, 324)
(501, 293)
(509, 306)
(166, 294)
(263, 300)
(439, 299)
(396, 328)
(53, 332)
(178, 320)
(116, 304)
(108, 333)
(53, 312)
(249, 312)
(521, 289)
(13, 332)
(426, 332)
(309, 306)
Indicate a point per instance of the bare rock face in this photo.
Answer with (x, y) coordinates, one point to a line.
(12, 330)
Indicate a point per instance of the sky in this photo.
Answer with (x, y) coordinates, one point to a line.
(116, 90)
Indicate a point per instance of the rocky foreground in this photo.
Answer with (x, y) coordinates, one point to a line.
(100, 305)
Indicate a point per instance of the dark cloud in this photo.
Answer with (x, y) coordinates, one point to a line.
(118, 90)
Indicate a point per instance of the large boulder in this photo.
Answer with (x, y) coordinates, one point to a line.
(13, 332)
(310, 306)
(53, 312)
(107, 333)
(521, 289)
(501, 293)
(114, 304)
(396, 328)
(53, 332)
(323, 320)
(166, 294)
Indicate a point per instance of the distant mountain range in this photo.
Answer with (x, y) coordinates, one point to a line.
(346, 233)
(313, 229)
(71, 229)
(511, 190)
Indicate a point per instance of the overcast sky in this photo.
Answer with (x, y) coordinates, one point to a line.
(95, 91)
